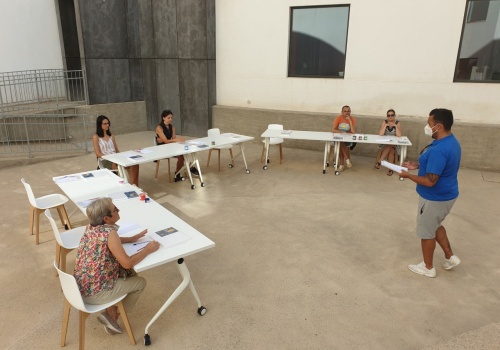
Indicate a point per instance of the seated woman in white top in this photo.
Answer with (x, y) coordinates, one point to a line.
(105, 143)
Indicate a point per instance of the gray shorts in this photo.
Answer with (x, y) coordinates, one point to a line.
(430, 215)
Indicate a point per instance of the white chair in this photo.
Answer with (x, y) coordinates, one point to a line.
(101, 166)
(73, 298)
(273, 141)
(216, 132)
(66, 241)
(158, 164)
(38, 205)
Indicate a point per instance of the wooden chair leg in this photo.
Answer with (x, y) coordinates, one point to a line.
(126, 322)
(32, 219)
(169, 174)
(64, 331)
(63, 254)
(81, 326)
(231, 154)
(209, 155)
(263, 150)
(157, 168)
(58, 257)
(281, 153)
(37, 224)
(63, 216)
(219, 158)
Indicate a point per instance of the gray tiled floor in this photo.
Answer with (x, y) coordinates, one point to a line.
(302, 261)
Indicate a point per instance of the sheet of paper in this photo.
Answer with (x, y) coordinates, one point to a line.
(393, 167)
(170, 237)
(228, 134)
(68, 178)
(85, 203)
(116, 196)
(195, 143)
(383, 140)
(95, 175)
(337, 136)
(128, 227)
(133, 248)
(144, 150)
(128, 153)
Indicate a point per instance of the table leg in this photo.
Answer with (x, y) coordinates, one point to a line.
(197, 164)
(187, 165)
(186, 281)
(267, 153)
(242, 150)
(325, 158)
(123, 173)
(337, 151)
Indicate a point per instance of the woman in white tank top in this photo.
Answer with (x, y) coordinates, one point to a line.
(104, 143)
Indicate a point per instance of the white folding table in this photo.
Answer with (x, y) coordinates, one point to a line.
(151, 216)
(188, 150)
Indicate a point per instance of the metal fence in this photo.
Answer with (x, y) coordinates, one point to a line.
(42, 89)
(30, 134)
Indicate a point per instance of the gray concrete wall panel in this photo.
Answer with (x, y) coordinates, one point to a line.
(479, 142)
(108, 80)
(136, 80)
(165, 28)
(212, 90)
(104, 28)
(150, 89)
(211, 29)
(193, 83)
(133, 29)
(146, 32)
(167, 84)
(192, 29)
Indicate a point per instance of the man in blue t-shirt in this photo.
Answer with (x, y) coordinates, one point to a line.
(437, 186)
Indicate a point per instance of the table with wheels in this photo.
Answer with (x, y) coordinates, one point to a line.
(402, 141)
(149, 215)
(189, 150)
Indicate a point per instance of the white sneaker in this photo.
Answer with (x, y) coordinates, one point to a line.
(422, 270)
(451, 262)
(348, 163)
(340, 168)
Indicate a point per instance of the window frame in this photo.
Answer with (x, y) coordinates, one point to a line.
(290, 28)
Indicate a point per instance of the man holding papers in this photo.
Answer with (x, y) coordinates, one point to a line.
(437, 186)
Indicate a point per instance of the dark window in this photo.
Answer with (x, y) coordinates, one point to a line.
(318, 41)
(479, 54)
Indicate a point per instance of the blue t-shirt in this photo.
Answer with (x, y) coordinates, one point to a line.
(442, 157)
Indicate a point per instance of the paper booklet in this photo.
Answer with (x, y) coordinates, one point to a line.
(393, 167)
(170, 237)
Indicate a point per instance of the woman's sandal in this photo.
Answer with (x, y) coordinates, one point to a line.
(389, 173)
(377, 165)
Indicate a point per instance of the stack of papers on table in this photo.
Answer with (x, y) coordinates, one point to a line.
(170, 237)
(123, 195)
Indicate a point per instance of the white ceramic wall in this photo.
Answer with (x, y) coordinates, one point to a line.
(401, 54)
(29, 36)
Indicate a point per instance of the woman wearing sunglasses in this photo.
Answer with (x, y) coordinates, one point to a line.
(390, 126)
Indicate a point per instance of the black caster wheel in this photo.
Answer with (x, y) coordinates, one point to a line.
(230, 166)
(264, 167)
(193, 187)
(327, 164)
(337, 173)
(147, 340)
(324, 171)
(202, 310)
(401, 179)
(248, 171)
(202, 184)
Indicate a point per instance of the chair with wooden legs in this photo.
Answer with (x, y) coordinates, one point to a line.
(72, 297)
(40, 204)
(65, 242)
(273, 141)
(158, 164)
(216, 132)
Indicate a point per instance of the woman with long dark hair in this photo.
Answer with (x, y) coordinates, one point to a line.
(105, 143)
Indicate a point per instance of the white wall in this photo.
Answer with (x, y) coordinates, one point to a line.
(29, 36)
(401, 54)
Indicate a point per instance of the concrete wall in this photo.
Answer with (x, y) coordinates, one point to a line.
(29, 37)
(480, 145)
(400, 54)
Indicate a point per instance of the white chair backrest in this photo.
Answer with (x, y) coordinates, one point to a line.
(155, 142)
(29, 191)
(213, 132)
(275, 126)
(70, 290)
(57, 234)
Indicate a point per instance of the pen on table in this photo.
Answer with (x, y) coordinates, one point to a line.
(141, 242)
(140, 249)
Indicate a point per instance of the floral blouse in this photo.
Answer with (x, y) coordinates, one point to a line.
(96, 268)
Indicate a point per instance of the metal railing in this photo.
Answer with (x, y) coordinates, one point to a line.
(34, 133)
(42, 89)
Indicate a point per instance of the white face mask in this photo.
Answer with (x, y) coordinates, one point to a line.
(428, 130)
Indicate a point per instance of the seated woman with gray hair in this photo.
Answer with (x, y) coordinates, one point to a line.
(103, 270)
